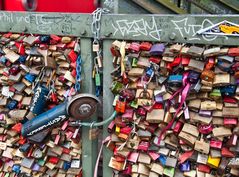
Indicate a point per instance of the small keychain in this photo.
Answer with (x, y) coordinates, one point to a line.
(93, 132)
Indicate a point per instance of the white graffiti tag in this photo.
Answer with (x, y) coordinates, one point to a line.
(185, 28)
(137, 28)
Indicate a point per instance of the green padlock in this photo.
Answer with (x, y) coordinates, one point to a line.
(116, 87)
(134, 62)
(169, 171)
(215, 94)
(134, 104)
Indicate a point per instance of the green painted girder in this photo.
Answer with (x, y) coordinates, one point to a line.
(159, 6)
(172, 6)
(233, 4)
(201, 6)
(215, 6)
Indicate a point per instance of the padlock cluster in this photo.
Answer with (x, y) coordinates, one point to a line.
(33, 67)
(177, 108)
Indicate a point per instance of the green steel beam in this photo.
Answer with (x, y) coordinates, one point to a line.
(165, 28)
(159, 6)
(217, 6)
(202, 6)
(148, 6)
(172, 6)
(233, 4)
(89, 148)
(107, 102)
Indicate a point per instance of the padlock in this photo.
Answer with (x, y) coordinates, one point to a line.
(134, 47)
(157, 49)
(93, 133)
(120, 106)
(234, 51)
(195, 51)
(175, 80)
(196, 65)
(145, 46)
(213, 162)
(211, 52)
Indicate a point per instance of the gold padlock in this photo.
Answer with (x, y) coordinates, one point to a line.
(213, 162)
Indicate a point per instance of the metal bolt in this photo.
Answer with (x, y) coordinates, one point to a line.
(172, 36)
(25, 29)
(85, 108)
(108, 34)
(83, 32)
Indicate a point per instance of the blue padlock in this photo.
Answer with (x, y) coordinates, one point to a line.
(162, 159)
(193, 77)
(224, 66)
(30, 77)
(149, 72)
(12, 104)
(175, 80)
(186, 166)
(16, 168)
(229, 90)
(45, 39)
(39, 100)
(3, 60)
(22, 59)
(66, 165)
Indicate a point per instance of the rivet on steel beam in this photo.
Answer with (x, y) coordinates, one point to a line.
(172, 36)
(108, 34)
(83, 32)
(25, 29)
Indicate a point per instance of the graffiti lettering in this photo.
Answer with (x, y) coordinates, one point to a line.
(137, 28)
(48, 124)
(185, 28)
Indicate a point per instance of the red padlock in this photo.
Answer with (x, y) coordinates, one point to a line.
(146, 46)
(54, 97)
(210, 64)
(71, 45)
(144, 146)
(176, 61)
(128, 170)
(203, 168)
(125, 79)
(17, 127)
(178, 127)
(120, 106)
(66, 150)
(216, 144)
(73, 73)
(22, 140)
(21, 48)
(126, 130)
(230, 121)
(53, 160)
(72, 56)
(185, 61)
(55, 38)
(134, 47)
(7, 35)
(227, 153)
(155, 59)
